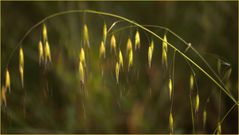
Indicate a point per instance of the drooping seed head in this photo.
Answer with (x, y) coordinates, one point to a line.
(21, 65)
(191, 82)
(40, 50)
(82, 56)
(137, 40)
(44, 33)
(150, 53)
(102, 50)
(197, 102)
(129, 46)
(113, 43)
(204, 117)
(117, 70)
(81, 72)
(8, 81)
(165, 45)
(170, 87)
(86, 35)
(219, 128)
(47, 52)
(104, 32)
(164, 51)
(3, 96)
(171, 122)
(130, 59)
(121, 61)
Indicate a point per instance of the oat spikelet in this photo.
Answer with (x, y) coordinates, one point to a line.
(170, 87)
(121, 61)
(150, 53)
(3, 96)
(44, 33)
(219, 128)
(104, 32)
(102, 50)
(86, 35)
(21, 65)
(117, 70)
(8, 81)
(130, 59)
(82, 56)
(137, 40)
(129, 46)
(81, 72)
(197, 103)
(191, 82)
(204, 117)
(113, 43)
(47, 53)
(164, 51)
(40, 50)
(171, 122)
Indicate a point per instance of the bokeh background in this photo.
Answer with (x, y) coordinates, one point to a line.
(54, 101)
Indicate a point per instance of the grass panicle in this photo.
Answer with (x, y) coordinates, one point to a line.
(82, 57)
(44, 33)
(113, 43)
(81, 72)
(47, 53)
(130, 59)
(150, 53)
(170, 87)
(7, 81)
(121, 60)
(191, 82)
(129, 46)
(165, 51)
(171, 122)
(117, 70)
(104, 32)
(86, 36)
(40, 52)
(197, 103)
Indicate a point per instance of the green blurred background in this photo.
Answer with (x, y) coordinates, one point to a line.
(53, 100)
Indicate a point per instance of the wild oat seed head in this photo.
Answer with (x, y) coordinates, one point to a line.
(21, 71)
(21, 57)
(86, 35)
(165, 45)
(191, 82)
(121, 61)
(129, 46)
(44, 33)
(82, 56)
(8, 81)
(171, 121)
(40, 50)
(150, 54)
(104, 32)
(130, 59)
(197, 103)
(47, 52)
(117, 70)
(81, 72)
(137, 40)
(170, 86)
(102, 50)
(113, 43)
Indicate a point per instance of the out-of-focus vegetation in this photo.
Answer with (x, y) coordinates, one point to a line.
(54, 100)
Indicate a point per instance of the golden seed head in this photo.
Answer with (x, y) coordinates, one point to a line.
(137, 40)
(197, 103)
(44, 33)
(86, 35)
(129, 45)
(113, 43)
(150, 54)
(40, 49)
(130, 59)
(104, 32)
(165, 45)
(171, 122)
(8, 80)
(3, 95)
(82, 56)
(21, 71)
(21, 57)
(47, 52)
(170, 86)
(219, 128)
(102, 50)
(121, 61)
(191, 82)
(204, 117)
(117, 70)
(81, 72)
